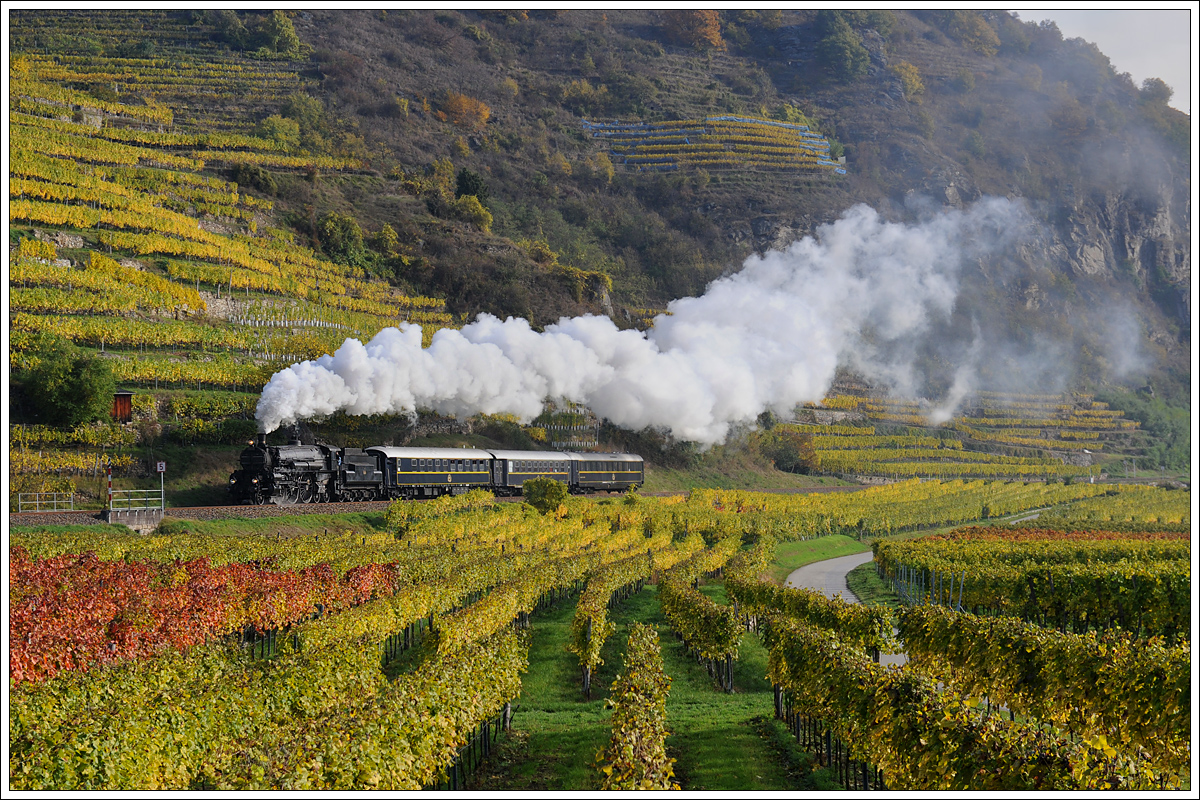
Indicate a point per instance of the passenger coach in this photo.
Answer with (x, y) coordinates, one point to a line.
(413, 472)
(606, 472)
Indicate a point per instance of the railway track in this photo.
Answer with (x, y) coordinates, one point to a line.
(206, 513)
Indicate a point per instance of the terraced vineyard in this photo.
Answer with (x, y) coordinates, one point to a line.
(393, 653)
(1030, 437)
(129, 239)
(715, 143)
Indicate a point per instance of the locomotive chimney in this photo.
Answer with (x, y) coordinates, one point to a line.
(260, 441)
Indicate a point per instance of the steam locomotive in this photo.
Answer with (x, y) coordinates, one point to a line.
(299, 473)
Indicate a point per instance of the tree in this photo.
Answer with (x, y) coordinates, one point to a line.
(1068, 116)
(342, 239)
(284, 132)
(471, 183)
(972, 30)
(910, 81)
(468, 209)
(279, 34)
(975, 145)
(842, 51)
(771, 19)
(465, 112)
(309, 113)
(1155, 90)
(68, 385)
(387, 241)
(228, 27)
(698, 29)
(882, 22)
(545, 494)
(791, 452)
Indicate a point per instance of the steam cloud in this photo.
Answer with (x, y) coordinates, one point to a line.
(862, 293)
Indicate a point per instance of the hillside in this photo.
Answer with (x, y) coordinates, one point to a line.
(1102, 164)
(246, 190)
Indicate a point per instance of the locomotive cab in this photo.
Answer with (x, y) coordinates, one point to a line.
(359, 475)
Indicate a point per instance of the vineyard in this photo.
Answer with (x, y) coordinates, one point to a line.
(130, 240)
(394, 655)
(135, 180)
(715, 143)
(1029, 437)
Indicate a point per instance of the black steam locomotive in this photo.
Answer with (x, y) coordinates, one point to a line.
(299, 473)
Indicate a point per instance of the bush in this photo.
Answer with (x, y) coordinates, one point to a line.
(842, 53)
(342, 239)
(69, 386)
(464, 111)
(468, 209)
(471, 183)
(545, 494)
(284, 132)
(910, 80)
(256, 176)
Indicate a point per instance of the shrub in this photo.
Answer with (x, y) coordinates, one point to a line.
(284, 132)
(342, 238)
(545, 494)
(465, 112)
(68, 385)
(256, 176)
(468, 209)
(964, 80)
(910, 80)
(472, 183)
(698, 29)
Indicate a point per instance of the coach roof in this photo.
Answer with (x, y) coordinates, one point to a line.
(430, 452)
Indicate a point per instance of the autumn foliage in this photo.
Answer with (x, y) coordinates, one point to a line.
(76, 612)
(699, 29)
(465, 112)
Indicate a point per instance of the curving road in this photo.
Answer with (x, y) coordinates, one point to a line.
(829, 577)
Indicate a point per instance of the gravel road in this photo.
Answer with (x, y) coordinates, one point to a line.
(829, 577)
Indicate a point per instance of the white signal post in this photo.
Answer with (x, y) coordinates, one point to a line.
(162, 498)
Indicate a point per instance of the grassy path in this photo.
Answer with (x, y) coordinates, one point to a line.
(723, 741)
(719, 740)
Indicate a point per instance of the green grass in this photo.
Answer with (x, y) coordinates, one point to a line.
(870, 589)
(730, 473)
(68, 530)
(299, 524)
(719, 741)
(790, 556)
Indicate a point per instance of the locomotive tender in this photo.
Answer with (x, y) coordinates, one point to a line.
(299, 473)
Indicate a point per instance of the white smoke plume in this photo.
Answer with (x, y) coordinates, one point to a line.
(767, 337)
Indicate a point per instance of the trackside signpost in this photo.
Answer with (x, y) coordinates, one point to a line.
(161, 467)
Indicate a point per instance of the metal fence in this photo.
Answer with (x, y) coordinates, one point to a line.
(45, 501)
(135, 500)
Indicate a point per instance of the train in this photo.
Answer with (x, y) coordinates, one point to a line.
(318, 473)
